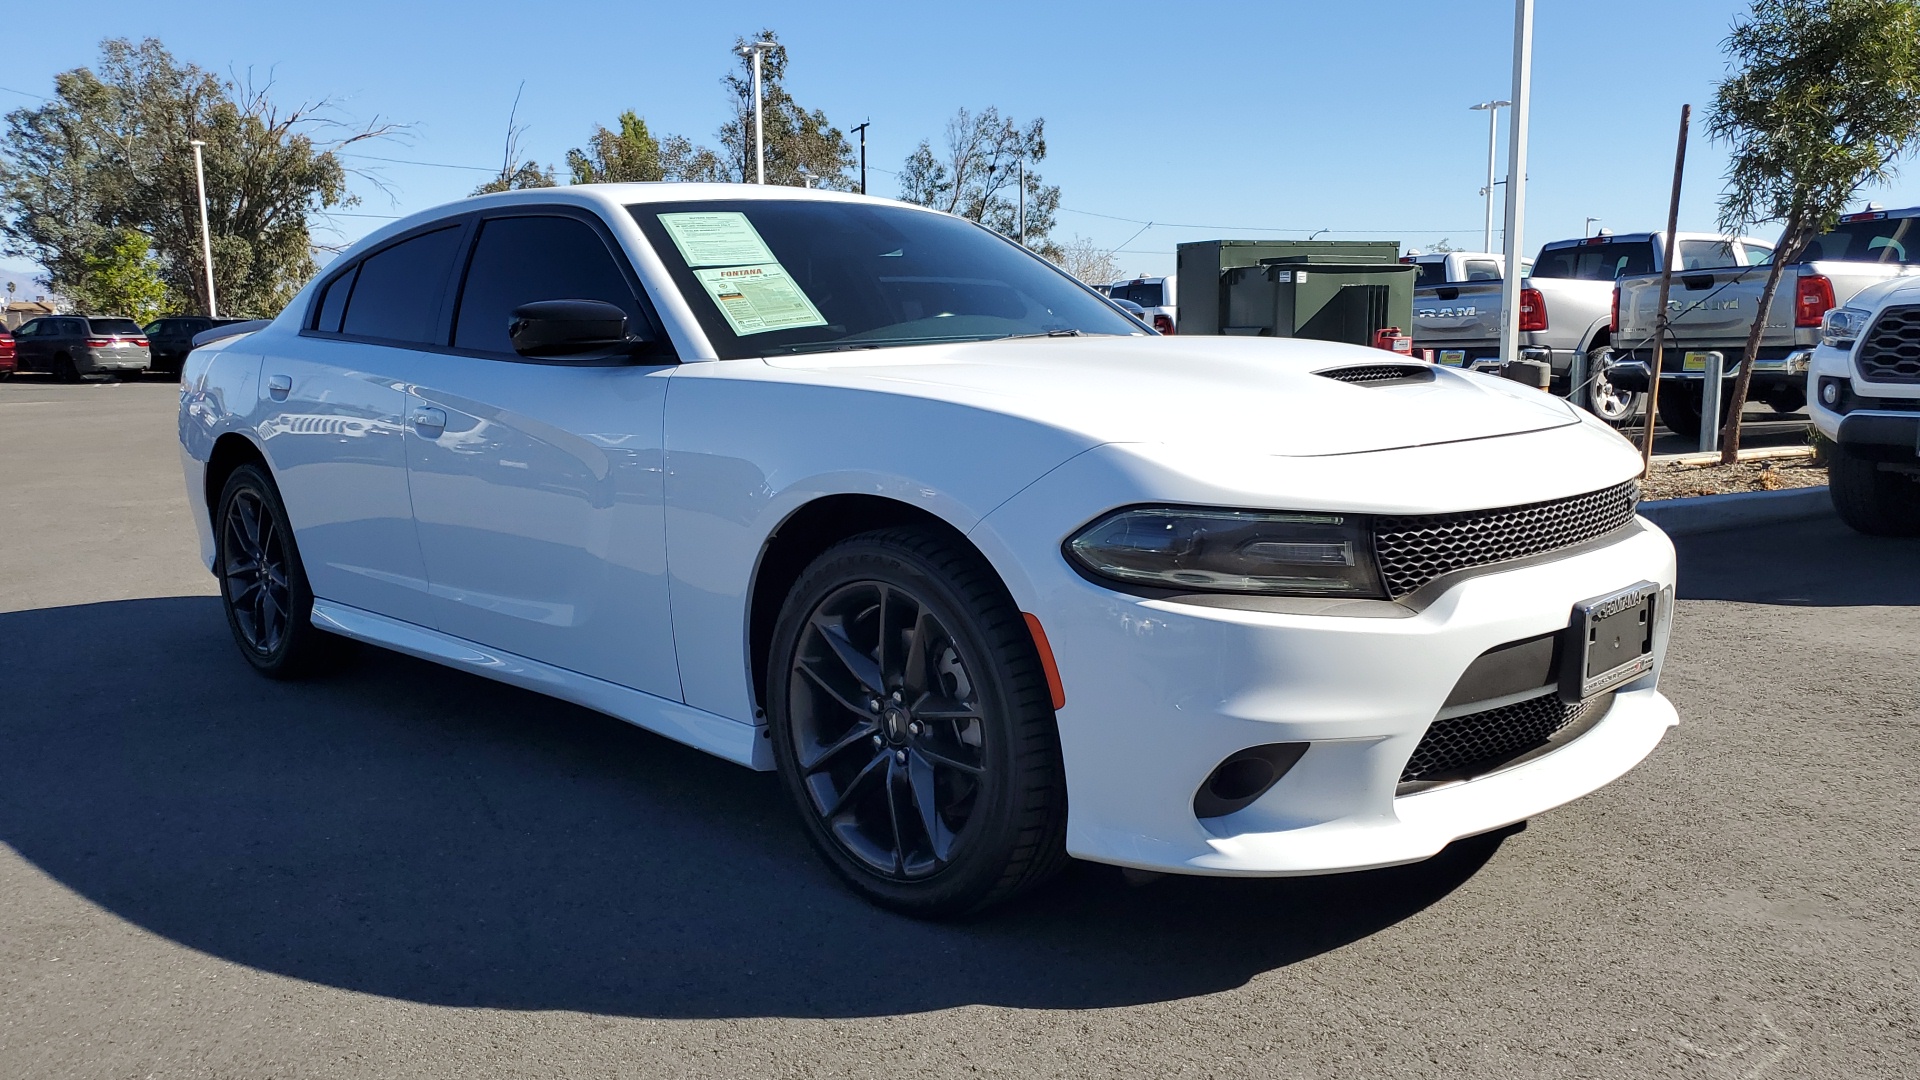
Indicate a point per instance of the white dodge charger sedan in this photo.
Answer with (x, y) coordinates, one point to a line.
(990, 573)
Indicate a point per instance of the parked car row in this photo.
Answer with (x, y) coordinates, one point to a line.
(76, 347)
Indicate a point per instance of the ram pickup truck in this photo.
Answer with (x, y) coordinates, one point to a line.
(1565, 309)
(1156, 297)
(1864, 381)
(1711, 311)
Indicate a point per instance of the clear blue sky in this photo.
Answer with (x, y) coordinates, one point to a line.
(1297, 116)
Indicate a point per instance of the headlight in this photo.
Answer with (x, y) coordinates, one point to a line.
(1271, 553)
(1841, 327)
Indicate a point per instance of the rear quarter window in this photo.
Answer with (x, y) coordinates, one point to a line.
(397, 293)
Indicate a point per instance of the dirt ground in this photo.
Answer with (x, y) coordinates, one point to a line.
(1675, 481)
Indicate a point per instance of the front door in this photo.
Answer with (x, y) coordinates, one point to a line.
(537, 484)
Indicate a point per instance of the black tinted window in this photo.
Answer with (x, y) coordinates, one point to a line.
(1882, 240)
(397, 295)
(1146, 294)
(1431, 273)
(333, 302)
(125, 327)
(1596, 262)
(522, 259)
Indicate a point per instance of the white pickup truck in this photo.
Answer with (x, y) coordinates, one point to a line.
(1156, 297)
(1711, 311)
(1454, 267)
(1565, 309)
(1863, 379)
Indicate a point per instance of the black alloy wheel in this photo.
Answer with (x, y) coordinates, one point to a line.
(912, 726)
(64, 369)
(263, 585)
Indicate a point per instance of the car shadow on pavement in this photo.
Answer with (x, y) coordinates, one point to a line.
(1818, 562)
(404, 830)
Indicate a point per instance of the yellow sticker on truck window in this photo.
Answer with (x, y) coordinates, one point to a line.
(724, 238)
(759, 299)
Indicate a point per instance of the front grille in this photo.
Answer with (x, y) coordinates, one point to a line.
(1373, 374)
(1891, 351)
(1416, 549)
(1466, 746)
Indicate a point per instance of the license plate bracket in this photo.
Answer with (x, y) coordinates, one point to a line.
(1609, 641)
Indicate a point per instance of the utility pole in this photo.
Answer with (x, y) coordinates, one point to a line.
(1517, 117)
(1021, 164)
(862, 131)
(206, 238)
(757, 50)
(1492, 109)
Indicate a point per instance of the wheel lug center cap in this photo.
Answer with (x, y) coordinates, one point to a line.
(895, 720)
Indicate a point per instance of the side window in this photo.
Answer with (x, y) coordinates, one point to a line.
(518, 260)
(333, 302)
(397, 292)
(1482, 270)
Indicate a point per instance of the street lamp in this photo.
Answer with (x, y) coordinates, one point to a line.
(206, 238)
(1517, 120)
(758, 50)
(1492, 109)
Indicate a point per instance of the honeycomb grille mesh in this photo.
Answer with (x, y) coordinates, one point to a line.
(1378, 373)
(1891, 352)
(1414, 550)
(1480, 742)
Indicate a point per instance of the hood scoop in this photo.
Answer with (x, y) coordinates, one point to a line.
(1379, 374)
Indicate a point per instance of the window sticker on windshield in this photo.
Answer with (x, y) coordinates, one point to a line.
(759, 299)
(716, 239)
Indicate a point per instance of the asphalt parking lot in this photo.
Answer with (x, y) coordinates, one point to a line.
(403, 871)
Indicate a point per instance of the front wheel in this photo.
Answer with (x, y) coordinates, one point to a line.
(263, 584)
(1871, 499)
(1603, 399)
(913, 728)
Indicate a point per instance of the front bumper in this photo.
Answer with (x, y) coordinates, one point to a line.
(1159, 692)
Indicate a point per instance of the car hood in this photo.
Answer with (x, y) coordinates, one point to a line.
(1252, 395)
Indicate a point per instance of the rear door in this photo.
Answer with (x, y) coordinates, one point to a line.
(333, 408)
(538, 484)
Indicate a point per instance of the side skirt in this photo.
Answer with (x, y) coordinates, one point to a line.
(717, 735)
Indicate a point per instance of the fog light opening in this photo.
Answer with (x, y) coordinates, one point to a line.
(1243, 777)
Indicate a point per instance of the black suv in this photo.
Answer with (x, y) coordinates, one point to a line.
(171, 339)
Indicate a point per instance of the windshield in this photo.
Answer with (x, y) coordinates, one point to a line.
(114, 326)
(1886, 240)
(1596, 262)
(767, 277)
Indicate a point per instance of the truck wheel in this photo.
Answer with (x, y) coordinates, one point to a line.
(1603, 399)
(1870, 499)
(1680, 409)
(1785, 400)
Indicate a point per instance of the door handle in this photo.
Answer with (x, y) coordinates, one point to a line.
(279, 386)
(429, 420)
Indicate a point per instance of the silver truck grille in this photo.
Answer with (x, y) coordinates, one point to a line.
(1417, 549)
(1891, 351)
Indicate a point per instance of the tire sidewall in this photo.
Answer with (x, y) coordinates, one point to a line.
(992, 830)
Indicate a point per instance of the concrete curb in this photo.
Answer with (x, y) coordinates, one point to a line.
(1705, 513)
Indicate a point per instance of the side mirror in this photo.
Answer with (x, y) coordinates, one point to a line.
(566, 328)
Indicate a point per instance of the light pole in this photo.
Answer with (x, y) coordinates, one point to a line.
(1021, 183)
(206, 238)
(1492, 109)
(1516, 178)
(1588, 227)
(758, 50)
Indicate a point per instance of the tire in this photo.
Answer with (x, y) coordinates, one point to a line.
(1872, 500)
(938, 792)
(263, 585)
(64, 369)
(1616, 407)
(1680, 409)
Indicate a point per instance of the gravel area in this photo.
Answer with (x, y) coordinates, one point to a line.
(1676, 481)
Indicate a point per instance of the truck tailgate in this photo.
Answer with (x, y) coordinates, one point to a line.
(1446, 315)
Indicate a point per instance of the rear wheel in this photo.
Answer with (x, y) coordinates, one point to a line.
(263, 585)
(64, 369)
(1680, 409)
(913, 728)
(1871, 499)
(1603, 399)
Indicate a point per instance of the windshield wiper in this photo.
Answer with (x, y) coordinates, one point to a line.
(1044, 333)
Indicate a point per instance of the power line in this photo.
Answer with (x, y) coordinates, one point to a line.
(1241, 228)
(23, 93)
(429, 164)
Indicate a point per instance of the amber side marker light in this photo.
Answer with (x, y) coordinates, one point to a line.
(1057, 691)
